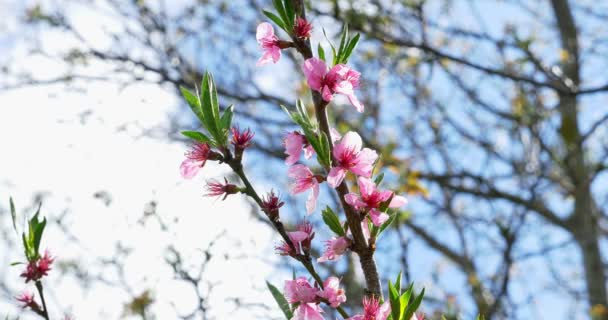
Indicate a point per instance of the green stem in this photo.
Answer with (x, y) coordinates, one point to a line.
(45, 313)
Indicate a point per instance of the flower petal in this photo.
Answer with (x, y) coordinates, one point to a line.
(335, 176)
(311, 203)
(397, 202)
(189, 168)
(314, 70)
(264, 32)
(378, 218)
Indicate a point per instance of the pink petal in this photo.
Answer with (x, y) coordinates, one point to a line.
(297, 236)
(308, 311)
(266, 58)
(309, 151)
(312, 199)
(366, 186)
(314, 70)
(335, 135)
(352, 199)
(327, 94)
(397, 202)
(355, 102)
(384, 311)
(189, 168)
(293, 147)
(365, 165)
(335, 176)
(352, 140)
(264, 32)
(365, 228)
(378, 218)
(275, 52)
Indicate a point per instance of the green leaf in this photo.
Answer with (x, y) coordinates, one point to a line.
(321, 52)
(226, 120)
(333, 49)
(278, 21)
(379, 179)
(384, 205)
(324, 157)
(290, 11)
(281, 301)
(388, 222)
(194, 103)
(13, 214)
(16, 263)
(412, 307)
(398, 283)
(332, 221)
(210, 108)
(350, 47)
(343, 38)
(195, 135)
(278, 5)
(37, 228)
(394, 300)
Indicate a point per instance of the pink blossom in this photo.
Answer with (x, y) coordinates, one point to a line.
(271, 204)
(27, 301)
(300, 290)
(217, 189)
(340, 79)
(36, 269)
(269, 43)
(332, 292)
(304, 179)
(308, 311)
(294, 143)
(371, 198)
(334, 248)
(302, 29)
(301, 240)
(195, 160)
(372, 310)
(350, 157)
(241, 139)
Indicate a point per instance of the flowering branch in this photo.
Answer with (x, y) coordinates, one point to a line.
(360, 246)
(37, 265)
(365, 211)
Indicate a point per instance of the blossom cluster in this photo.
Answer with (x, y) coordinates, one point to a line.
(342, 158)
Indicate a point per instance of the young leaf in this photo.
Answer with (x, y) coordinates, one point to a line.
(227, 118)
(290, 11)
(207, 107)
(343, 38)
(37, 227)
(394, 300)
(332, 221)
(412, 307)
(324, 157)
(194, 103)
(387, 223)
(398, 283)
(195, 135)
(349, 48)
(281, 301)
(13, 214)
(321, 52)
(275, 19)
(278, 5)
(379, 178)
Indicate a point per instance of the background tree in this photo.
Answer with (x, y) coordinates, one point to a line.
(494, 110)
